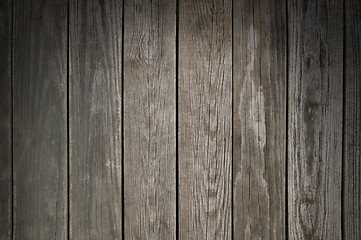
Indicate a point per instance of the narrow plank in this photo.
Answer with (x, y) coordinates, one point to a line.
(40, 119)
(95, 112)
(149, 119)
(205, 119)
(315, 118)
(352, 134)
(5, 120)
(259, 119)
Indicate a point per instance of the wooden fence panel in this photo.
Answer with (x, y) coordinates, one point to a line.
(205, 119)
(259, 119)
(315, 118)
(95, 119)
(40, 119)
(150, 119)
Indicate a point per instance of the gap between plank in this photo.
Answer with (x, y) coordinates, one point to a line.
(12, 116)
(176, 118)
(343, 121)
(68, 116)
(287, 124)
(122, 122)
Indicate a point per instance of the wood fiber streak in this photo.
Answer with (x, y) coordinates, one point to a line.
(95, 119)
(205, 119)
(150, 119)
(259, 118)
(40, 119)
(5, 120)
(352, 134)
(315, 118)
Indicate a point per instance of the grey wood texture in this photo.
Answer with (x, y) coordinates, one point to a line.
(352, 134)
(5, 120)
(95, 119)
(259, 119)
(205, 119)
(150, 119)
(40, 119)
(315, 118)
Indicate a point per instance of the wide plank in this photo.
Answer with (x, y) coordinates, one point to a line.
(352, 134)
(259, 118)
(315, 118)
(5, 120)
(150, 119)
(95, 119)
(205, 119)
(40, 119)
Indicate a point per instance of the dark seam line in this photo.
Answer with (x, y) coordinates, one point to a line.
(12, 116)
(287, 125)
(68, 120)
(122, 122)
(232, 171)
(176, 120)
(343, 123)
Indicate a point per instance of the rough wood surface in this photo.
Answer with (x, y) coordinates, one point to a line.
(5, 120)
(352, 134)
(205, 119)
(315, 118)
(95, 112)
(40, 119)
(149, 119)
(259, 118)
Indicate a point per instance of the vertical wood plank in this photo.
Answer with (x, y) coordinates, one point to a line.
(315, 118)
(95, 119)
(40, 119)
(149, 119)
(5, 120)
(352, 134)
(205, 119)
(259, 119)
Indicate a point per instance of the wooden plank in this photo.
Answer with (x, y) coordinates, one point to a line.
(40, 119)
(95, 119)
(5, 120)
(205, 119)
(259, 119)
(150, 119)
(352, 134)
(315, 118)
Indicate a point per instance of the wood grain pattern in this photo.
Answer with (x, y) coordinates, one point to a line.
(40, 119)
(259, 118)
(149, 119)
(205, 119)
(95, 119)
(315, 118)
(352, 134)
(5, 120)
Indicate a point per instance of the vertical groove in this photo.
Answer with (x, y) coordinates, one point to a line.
(68, 120)
(176, 117)
(12, 116)
(287, 119)
(232, 86)
(122, 122)
(343, 122)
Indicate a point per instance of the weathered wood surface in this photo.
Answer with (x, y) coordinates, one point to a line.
(40, 119)
(150, 119)
(95, 119)
(315, 118)
(205, 119)
(5, 120)
(259, 119)
(352, 134)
